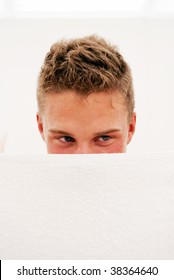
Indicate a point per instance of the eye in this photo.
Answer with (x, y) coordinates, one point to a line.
(66, 139)
(104, 138)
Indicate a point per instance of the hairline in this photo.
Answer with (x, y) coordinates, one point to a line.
(116, 92)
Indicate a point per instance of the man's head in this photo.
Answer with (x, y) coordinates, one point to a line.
(85, 98)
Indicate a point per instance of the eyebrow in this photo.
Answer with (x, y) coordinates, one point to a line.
(107, 131)
(56, 131)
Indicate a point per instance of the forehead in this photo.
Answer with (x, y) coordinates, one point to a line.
(71, 101)
(69, 111)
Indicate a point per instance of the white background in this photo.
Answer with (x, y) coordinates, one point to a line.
(145, 40)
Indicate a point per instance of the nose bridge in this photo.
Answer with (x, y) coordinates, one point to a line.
(84, 148)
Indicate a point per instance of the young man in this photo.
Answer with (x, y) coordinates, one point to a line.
(85, 98)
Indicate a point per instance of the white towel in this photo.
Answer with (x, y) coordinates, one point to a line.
(107, 206)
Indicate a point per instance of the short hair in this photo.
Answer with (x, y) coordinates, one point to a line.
(85, 65)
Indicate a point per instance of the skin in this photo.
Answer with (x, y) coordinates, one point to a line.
(99, 123)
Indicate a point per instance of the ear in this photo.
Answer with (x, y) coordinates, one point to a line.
(40, 125)
(131, 129)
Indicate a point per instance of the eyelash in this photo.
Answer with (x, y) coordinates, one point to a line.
(66, 137)
(105, 136)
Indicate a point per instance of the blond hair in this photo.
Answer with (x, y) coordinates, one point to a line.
(85, 65)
